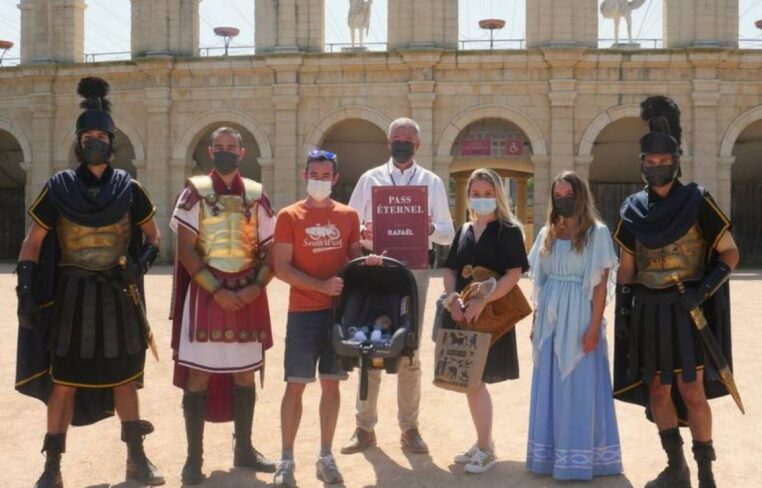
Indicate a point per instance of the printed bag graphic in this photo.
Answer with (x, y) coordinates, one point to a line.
(460, 358)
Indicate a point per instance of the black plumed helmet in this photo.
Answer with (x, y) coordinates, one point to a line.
(663, 118)
(97, 108)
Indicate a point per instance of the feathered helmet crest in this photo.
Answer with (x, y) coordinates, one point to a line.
(664, 132)
(97, 108)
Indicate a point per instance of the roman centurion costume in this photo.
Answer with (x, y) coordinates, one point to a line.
(79, 326)
(232, 227)
(672, 238)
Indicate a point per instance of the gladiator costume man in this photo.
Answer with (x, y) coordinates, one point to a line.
(221, 320)
(83, 334)
(671, 232)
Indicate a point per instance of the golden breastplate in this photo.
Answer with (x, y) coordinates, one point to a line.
(94, 248)
(227, 233)
(685, 257)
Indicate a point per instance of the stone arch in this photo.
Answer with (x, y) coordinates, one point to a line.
(610, 115)
(66, 139)
(736, 127)
(184, 146)
(599, 123)
(461, 121)
(13, 129)
(318, 134)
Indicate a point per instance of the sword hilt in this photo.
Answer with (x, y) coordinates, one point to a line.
(680, 286)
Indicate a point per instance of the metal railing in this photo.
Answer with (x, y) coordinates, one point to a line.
(482, 44)
(103, 57)
(232, 51)
(644, 43)
(336, 47)
(5, 62)
(750, 43)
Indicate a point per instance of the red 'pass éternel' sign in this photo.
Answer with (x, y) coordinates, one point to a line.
(401, 223)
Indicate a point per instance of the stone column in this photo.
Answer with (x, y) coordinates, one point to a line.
(705, 97)
(423, 24)
(67, 30)
(52, 31)
(562, 93)
(421, 98)
(42, 106)
(165, 28)
(582, 166)
(289, 26)
(461, 199)
(179, 172)
(541, 187)
(268, 175)
(157, 175)
(561, 23)
(285, 96)
(285, 172)
(700, 23)
(521, 197)
(724, 195)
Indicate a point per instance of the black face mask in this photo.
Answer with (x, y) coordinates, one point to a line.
(95, 152)
(225, 162)
(565, 206)
(657, 176)
(402, 151)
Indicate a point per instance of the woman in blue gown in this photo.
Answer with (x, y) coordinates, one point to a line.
(573, 431)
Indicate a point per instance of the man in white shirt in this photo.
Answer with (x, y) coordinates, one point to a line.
(400, 170)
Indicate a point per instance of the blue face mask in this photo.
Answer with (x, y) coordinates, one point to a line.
(483, 206)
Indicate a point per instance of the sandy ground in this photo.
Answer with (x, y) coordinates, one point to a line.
(95, 456)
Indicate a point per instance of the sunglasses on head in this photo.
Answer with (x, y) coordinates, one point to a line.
(320, 155)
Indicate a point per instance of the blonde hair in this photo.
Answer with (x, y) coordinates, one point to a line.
(585, 213)
(503, 210)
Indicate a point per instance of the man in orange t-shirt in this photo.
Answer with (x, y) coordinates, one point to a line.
(314, 239)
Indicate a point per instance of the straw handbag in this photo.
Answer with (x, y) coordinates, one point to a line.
(500, 316)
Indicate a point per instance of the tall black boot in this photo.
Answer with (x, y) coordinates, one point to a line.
(194, 411)
(676, 474)
(139, 467)
(53, 446)
(703, 453)
(246, 456)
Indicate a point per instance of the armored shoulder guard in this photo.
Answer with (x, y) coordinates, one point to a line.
(252, 190)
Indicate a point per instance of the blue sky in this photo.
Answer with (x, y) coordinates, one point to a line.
(108, 22)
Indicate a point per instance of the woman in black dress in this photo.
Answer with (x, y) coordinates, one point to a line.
(493, 239)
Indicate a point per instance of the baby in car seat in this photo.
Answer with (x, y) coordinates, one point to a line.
(380, 331)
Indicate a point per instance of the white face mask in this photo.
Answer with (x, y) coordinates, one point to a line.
(483, 206)
(319, 190)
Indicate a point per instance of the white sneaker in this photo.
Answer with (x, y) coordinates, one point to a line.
(327, 471)
(481, 461)
(284, 475)
(465, 457)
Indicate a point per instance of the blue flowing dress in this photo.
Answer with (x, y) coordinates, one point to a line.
(573, 431)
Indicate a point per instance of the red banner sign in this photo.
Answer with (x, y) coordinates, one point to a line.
(401, 224)
(476, 147)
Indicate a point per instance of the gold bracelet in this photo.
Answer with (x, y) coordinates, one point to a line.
(206, 280)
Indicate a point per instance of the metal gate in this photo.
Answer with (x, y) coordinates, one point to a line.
(11, 223)
(609, 197)
(746, 216)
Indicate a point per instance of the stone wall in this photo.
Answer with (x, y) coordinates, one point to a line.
(561, 98)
